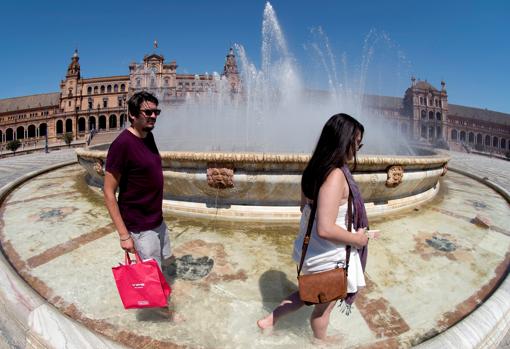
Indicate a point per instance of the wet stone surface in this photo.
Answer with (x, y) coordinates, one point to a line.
(189, 268)
(441, 244)
(227, 275)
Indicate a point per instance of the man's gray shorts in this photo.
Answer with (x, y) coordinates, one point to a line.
(153, 243)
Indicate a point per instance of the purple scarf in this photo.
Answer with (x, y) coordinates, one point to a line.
(360, 221)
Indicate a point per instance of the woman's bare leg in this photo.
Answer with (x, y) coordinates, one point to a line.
(319, 319)
(288, 305)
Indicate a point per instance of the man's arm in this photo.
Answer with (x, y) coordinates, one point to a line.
(111, 182)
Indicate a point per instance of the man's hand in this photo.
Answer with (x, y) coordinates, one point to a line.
(128, 245)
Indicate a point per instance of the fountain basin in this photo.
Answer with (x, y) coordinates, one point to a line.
(267, 186)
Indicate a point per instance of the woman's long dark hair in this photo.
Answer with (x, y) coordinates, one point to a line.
(338, 137)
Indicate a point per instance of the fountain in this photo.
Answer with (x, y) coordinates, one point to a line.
(241, 155)
(223, 163)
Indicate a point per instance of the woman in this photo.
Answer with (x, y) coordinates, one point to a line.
(327, 175)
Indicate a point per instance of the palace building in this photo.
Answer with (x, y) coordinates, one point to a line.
(90, 105)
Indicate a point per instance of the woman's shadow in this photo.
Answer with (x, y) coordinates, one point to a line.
(274, 288)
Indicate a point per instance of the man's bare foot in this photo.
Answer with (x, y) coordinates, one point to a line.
(266, 322)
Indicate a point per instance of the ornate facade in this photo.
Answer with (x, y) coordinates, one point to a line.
(86, 105)
(424, 115)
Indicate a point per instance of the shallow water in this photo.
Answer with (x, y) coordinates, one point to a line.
(431, 266)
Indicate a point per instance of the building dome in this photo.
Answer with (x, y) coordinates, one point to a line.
(424, 85)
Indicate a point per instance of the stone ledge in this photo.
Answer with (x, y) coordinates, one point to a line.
(29, 320)
(490, 322)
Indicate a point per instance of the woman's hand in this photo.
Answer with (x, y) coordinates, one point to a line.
(360, 239)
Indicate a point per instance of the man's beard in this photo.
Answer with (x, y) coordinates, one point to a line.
(149, 128)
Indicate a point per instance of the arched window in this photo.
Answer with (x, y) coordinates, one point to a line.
(112, 122)
(102, 88)
(122, 88)
(462, 136)
(424, 131)
(81, 124)
(479, 139)
(503, 143)
(102, 122)
(454, 135)
(471, 137)
(495, 142)
(431, 132)
(122, 120)
(438, 116)
(431, 115)
(69, 125)
(9, 135)
(60, 127)
(109, 88)
(488, 140)
(1, 136)
(423, 114)
(92, 123)
(89, 90)
(421, 100)
(31, 131)
(20, 132)
(42, 129)
(115, 88)
(95, 90)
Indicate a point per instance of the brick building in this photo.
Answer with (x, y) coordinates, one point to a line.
(86, 105)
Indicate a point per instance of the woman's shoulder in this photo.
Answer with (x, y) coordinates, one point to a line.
(336, 183)
(336, 176)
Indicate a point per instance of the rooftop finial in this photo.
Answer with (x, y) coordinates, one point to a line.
(155, 44)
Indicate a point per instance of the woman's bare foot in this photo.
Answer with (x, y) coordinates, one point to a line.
(266, 322)
(329, 340)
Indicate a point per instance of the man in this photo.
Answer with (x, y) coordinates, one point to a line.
(133, 165)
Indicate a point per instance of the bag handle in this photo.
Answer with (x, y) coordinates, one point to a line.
(306, 239)
(127, 258)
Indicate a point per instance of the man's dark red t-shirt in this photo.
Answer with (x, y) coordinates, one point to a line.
(138, 162)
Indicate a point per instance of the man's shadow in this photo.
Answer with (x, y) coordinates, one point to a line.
(275, 287)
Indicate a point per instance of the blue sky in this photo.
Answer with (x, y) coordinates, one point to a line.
(466, 43)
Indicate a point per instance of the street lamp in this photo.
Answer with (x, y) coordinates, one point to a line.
(46, 142)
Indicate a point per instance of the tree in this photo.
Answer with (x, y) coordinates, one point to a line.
(68, 138)
(13, 145)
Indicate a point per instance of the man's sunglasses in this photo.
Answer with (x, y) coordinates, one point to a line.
(149, 112)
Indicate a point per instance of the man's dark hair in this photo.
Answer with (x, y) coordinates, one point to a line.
(136, 101)
(337, 140)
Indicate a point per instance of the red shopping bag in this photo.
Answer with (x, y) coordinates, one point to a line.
(141, 284)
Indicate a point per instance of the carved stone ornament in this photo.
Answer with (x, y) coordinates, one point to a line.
(395, 175)
(445, 169)
(220, 175)
(98, 167)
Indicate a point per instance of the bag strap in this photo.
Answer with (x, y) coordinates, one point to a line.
(306, 239)
(127, 258)
(349, 229)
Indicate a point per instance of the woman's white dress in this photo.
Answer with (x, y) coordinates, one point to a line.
(324, 254)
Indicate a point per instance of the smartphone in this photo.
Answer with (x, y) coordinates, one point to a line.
(373, 234)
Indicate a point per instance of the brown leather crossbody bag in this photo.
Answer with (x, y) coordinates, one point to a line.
(326, 286)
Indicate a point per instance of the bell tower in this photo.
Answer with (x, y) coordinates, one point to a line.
(231, 73)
